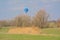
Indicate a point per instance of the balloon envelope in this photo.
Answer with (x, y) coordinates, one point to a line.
(25, 10)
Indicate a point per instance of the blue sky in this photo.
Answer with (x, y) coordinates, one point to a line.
(11, 8)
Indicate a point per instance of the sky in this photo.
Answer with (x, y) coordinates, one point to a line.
(11, 8)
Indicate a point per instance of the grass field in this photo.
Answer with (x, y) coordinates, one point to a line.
(55, 31)
(27, 37)
(51, 31)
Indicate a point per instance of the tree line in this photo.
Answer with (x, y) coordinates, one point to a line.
(40, 19)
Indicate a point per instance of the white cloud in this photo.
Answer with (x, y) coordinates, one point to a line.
(48, 6)
(13, 2)
(31, 1)
(15, 8)
(47, 1)
(55, 0)
(44, 1)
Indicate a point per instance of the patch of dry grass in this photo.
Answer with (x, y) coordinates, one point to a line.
(24, 30)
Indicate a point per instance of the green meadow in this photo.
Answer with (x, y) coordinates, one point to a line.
(55, 31)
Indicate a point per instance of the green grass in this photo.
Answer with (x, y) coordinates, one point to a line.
(27, 37)
(51, 31)
(4, 29)
(45, 30)
(56, 31)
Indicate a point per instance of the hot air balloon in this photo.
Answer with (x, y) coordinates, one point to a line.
(26, 10)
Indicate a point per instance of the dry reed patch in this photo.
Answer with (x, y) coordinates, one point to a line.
(24, 30)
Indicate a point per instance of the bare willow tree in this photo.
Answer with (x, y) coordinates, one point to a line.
(23, 20)
(40, 19)
(3, 23)
(58, 23)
